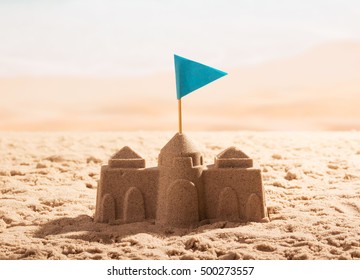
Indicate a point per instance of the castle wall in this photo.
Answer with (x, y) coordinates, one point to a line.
(117, 181)
(244, 182)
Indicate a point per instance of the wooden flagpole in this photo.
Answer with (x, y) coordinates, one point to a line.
(180, 116)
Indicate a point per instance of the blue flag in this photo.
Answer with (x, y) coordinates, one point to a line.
(191, 75)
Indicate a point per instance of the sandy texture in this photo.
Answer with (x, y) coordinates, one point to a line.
(48, 189)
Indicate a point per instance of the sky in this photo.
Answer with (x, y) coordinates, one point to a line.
(138, 37)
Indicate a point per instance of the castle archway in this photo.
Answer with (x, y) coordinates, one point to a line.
(254, 208)
(134, 210)
(182, 204)
(107, 209)
(228, 205)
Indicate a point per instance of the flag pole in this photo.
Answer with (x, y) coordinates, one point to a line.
(180, 116)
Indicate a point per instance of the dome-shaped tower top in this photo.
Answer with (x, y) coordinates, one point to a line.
(180, 146)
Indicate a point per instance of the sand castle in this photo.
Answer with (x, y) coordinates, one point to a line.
(181, 191)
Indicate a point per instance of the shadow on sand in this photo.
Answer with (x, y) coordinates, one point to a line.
(83, 227)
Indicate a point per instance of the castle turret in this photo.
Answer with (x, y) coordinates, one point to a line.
(124, 186)
(234, 189)
(180, 190)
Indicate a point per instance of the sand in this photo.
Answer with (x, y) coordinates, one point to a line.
(48, 187)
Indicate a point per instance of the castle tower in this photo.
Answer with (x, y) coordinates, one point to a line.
(120, 197)
(180, 191)
(234, 189)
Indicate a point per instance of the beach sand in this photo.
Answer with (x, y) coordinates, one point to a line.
(48, 187)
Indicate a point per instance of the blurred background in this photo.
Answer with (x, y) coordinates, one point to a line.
(83, 65)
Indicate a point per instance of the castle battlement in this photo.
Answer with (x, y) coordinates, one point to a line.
(181, 191)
